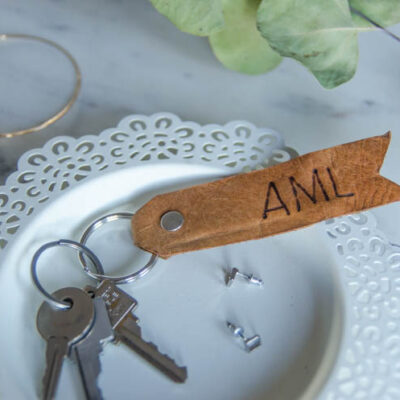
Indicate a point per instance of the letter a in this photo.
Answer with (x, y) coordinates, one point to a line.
(282, 206)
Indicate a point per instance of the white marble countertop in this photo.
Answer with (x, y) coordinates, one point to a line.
(133, 60)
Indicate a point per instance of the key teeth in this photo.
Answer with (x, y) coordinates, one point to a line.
(164, 354)
(155, 347)
(128, 331)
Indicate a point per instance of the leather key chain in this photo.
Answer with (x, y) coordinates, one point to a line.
(311, 188)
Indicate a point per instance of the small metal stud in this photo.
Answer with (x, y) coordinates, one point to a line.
(230, 277)
(250, 343)
(172, 221)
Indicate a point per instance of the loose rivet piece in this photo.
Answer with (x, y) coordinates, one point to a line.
(172, 221)
(249, 343)
(230, 277)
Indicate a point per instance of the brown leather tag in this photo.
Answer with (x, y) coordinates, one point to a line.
(308, 189)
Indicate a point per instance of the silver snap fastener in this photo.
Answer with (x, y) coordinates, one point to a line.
(250, 343)
(172, 221)
(230, 277)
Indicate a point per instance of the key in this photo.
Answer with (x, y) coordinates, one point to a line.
(86, 351)
(126, 327)
(61, 329)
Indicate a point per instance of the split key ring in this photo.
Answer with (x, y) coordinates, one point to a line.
(54, 302)
(100, 276)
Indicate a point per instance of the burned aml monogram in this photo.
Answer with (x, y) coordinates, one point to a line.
(294, 185)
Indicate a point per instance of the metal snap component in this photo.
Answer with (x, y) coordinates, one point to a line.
(172, 221)
(230, 277)
(250, 343)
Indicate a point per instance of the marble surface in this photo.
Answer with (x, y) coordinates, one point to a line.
(133, 60)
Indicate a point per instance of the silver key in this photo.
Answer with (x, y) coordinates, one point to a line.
(61, 328)
(86, 352)
(120, 308)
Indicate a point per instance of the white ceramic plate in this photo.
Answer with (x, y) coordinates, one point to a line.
(328, 314)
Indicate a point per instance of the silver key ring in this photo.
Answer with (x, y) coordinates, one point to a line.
(98, 223)
(66, 243)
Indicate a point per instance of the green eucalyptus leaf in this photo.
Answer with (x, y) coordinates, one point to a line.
(319, 34)
(198, 17)
(240, 46)
(383, 12)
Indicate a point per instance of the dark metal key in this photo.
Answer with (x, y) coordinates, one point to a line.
(86, 351)
(61, 328)
(120, 308)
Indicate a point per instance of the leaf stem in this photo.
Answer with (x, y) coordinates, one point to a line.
(362, 15)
